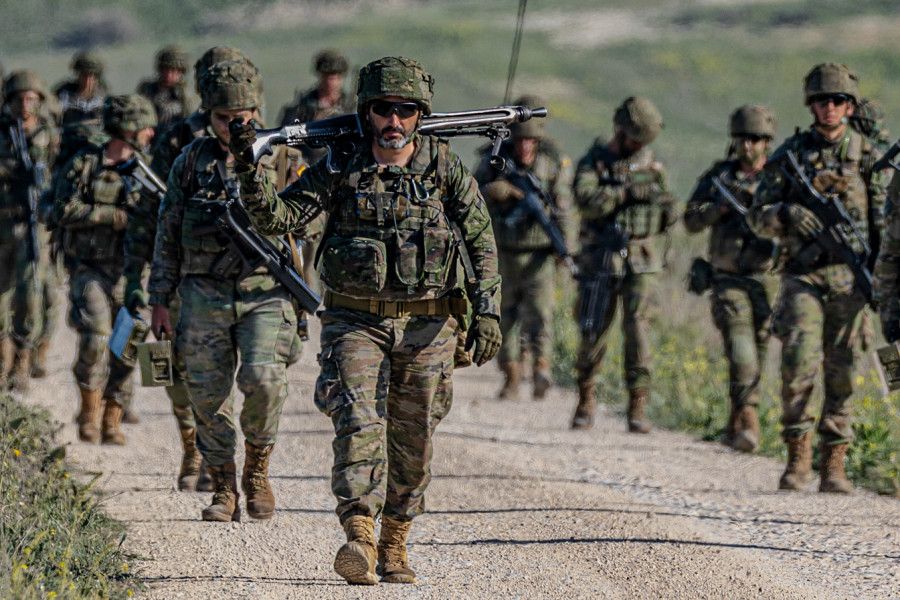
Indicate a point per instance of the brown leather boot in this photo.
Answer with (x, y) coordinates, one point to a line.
(831, 470)
(39, 365)
(541, 377)
(584, 411)
(7, 358)
(255, 481)
(393, 562)
(224, 506)
(89, 416)
(799, 464)
(191, 459)
(21, 373)
(109, 426)
(746, 429)
(510, 389)
(637, 405)
(355, 560)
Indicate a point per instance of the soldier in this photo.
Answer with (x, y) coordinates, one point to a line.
(738, 263)
(167, 90)
(817, 316)
(396, 209)
(81, 106)
(626, 208)
(527, 261)
(93, 204)
(222, 316)
(20, 286)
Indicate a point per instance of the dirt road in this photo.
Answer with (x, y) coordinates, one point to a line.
(520, 507)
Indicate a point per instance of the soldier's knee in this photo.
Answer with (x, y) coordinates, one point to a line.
(93, 348)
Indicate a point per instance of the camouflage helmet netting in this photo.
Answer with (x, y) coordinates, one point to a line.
(752, 119)
(869, 118)
(212, 56)
(533, 128)
(172, 57)
(830, 78)
(129, 112)
(639, 119)
(394, 76)
(330, 61)
(87, 62)
(22, 81)
(231, 85)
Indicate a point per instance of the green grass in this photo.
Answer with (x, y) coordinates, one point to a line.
(55, 541)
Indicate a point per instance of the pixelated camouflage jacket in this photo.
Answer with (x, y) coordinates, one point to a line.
(624, 197)
(391, 232)
(306, 107)
(848, 160)
(733, 247)
(171, 104)
(43, 144)
(554, 171)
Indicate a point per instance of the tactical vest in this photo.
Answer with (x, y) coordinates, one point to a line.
(388, 236)
(637, 219)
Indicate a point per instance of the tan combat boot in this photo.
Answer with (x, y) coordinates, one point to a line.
(831, 470)
(799, 464)
(542, 378)
(191, 460)
(21, 373)
(393, 562)
(584, 411)
(89, 416)
(510, 389)
(224, 506)
(109, 426)
(637, 405)
(355, 560)
(39, 365)
(7, 358)
(746, 429)
(255, 481)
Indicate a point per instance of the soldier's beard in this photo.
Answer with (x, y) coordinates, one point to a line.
(393, 143)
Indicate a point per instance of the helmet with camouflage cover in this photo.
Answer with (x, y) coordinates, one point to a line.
(830, 78)
(231, 85)
(330, 61)
(394, 76)
(532, 128)
(87, 62)
(23, 81)
(868, 119)
(752, 119)
(639, 119)
(129, 112)
(172, 57)
(211, 57)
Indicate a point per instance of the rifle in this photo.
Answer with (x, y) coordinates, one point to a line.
(759, 248)
(888, 159)
(729, 198)
(137, 168)
(595, 281)
(36, 173)
(343, 133)
(833, 239)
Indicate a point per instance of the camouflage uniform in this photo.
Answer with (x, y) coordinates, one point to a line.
(172, 104)
(624, 202)
(527, 259)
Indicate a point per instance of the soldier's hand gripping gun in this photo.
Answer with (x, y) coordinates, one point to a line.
(36, 176)
(834, 238)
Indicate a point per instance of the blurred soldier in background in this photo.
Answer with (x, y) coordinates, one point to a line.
(93, 204)
(626, 209)
(738, 263)
(81, 106)
(527, 260)
(167, 91)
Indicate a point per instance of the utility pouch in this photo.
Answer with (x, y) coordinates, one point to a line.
(127, 333)
(155, 359)
(354, 266)
(700, 277)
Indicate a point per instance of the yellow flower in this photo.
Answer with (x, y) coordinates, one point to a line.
(16, 452)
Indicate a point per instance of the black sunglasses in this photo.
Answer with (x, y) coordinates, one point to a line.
(749, 136)
(836, 99)
(404, 110)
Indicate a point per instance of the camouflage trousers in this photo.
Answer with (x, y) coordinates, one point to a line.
(50, 272)
(94, 302)
(635, 291)
(222, 321)
(20, 291)
(742, 313)
(526, 307)
(386, 384)
(819, 328)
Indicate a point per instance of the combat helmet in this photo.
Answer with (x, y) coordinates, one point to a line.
(639, 119)
(87, 62)
(752, 119)
(532, 128)
(23, 81)
(830, 78)
(394, 76)
(129, 112)
(172, 57)
(330, 61)
(211, 57)
(231, 85)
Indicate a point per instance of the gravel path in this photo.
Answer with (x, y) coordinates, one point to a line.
(520, 507)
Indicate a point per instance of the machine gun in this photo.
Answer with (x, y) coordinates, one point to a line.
(833, 239)
(36, 174)
(594, 280)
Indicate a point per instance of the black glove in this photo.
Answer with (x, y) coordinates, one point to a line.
(485, 336)
(803, 220)
(240, 144)
(890, 327)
